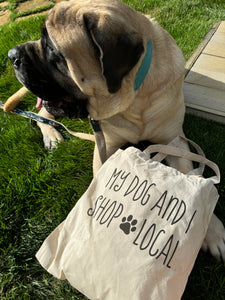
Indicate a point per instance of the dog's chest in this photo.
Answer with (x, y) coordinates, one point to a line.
(141, 122)
(128, 126)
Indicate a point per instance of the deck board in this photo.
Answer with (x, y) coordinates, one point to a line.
(204, 85)
(216, 45)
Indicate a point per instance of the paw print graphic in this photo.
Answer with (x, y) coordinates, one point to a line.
(128, 224)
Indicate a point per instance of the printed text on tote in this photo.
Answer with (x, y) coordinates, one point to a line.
(149, 236)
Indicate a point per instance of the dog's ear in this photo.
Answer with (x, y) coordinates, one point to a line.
(117, 50)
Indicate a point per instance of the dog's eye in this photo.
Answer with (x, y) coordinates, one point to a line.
(49, 48)
(52, 54)
(55, 59)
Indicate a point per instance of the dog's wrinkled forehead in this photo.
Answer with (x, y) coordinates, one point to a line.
(64, 26)
(96, 36)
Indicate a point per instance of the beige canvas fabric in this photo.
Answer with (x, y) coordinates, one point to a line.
(137, 230)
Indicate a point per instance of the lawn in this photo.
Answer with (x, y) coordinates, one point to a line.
(38, 187)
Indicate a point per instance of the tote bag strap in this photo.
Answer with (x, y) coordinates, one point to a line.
(182, 153)
(176, 143)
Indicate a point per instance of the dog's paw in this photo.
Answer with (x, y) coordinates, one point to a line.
(215, 239)
(51, 138)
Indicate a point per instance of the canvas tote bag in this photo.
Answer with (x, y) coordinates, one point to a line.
(136, 232)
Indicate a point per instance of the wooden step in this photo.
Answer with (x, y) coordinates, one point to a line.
(204, 85)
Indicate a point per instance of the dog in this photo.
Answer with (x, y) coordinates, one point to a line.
(102, 59)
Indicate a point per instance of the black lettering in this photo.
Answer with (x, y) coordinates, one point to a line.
(91, 211)
(132, 186)
(175, 248)
(112, 207)
(160, 205)
(148, 196)
(150, 249)
(172, 199)
(168, 246)
(151, 228)
(117, 187)
(181, 208)
(189, 224)
(116, 214)
(101, 207)
(136, 196)
(139, 233)
(114, 177)
(112, 214)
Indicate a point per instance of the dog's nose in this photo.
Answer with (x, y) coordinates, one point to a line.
(14, 56)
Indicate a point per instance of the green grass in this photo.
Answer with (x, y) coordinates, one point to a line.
(38, 188)
(15, 13)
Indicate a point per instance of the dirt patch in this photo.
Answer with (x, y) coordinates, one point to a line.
(33, 4)
(3, 4)
(4, 16)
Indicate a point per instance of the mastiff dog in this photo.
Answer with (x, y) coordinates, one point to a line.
(102, 59)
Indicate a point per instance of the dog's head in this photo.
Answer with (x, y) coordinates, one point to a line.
(86, 50)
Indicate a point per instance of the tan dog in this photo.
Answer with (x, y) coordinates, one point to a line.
(103, 59)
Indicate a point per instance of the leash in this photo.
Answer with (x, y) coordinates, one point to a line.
(99, 139)
(98, 136)
(37, 118)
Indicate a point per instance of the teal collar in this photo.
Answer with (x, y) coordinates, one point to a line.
(143, 70)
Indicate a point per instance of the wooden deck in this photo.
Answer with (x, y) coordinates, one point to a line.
(204, 86)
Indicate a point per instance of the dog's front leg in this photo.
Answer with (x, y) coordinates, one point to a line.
(51, 137)
(181, 164)
(111, 147)
(215, 239)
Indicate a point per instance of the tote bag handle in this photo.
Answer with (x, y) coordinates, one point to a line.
(182, 153)
(176, 143)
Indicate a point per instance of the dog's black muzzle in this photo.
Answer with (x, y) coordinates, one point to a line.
(46, 75)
